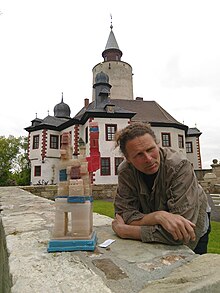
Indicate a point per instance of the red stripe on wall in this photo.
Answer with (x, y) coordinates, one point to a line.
(44, 144)
(76, 139)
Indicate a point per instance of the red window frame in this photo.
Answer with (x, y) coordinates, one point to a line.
(37, 171)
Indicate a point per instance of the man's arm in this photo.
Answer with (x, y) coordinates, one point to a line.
(125, 231)
(179, 227)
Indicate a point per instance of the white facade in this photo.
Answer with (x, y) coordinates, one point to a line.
(49, 162)
(107, 149)
(195, 152)
(174, 135)
(112, 82)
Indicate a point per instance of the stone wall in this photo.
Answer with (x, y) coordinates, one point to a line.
(104, 191)
(101, 191)
(46, 191)
(5, 278)
(210, 178)
(126, 266)
(201, 173)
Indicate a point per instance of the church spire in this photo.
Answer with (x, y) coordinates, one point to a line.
(112, 51)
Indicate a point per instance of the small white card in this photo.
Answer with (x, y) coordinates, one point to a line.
(106, 243)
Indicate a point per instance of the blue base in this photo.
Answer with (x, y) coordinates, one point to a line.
(72, 244)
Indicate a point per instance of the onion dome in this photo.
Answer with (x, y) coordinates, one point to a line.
(101, 77)
(62, 110)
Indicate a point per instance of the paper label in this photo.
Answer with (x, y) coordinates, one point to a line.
(106, 243)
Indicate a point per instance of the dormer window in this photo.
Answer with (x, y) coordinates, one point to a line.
(110, 108)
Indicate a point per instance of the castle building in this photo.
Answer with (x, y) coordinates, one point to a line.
(112, 107)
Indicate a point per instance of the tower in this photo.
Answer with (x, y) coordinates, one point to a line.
(119, 72)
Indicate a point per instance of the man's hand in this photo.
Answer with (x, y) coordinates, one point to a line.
(178, 226)
(118, 225)
(125, 231)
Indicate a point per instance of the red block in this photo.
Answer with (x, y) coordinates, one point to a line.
(93, 163)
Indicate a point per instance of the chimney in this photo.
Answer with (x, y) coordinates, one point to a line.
(86, 103)
(139, 99)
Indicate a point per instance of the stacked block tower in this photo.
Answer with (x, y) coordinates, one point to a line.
(73, 227)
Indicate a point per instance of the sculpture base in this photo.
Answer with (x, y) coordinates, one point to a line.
(73, 244)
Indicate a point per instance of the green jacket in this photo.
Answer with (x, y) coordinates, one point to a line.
(175, 190)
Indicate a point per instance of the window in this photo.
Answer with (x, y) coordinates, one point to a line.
(110, 130)
(181, 141)
(189, 147)
(54, 141)
(105, 166)
(118, 161)
(166, 141)
(36, 141)
(37, 170)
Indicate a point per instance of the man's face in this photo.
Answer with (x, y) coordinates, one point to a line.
(143, 153)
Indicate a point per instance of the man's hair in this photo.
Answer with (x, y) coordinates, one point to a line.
(130, 132)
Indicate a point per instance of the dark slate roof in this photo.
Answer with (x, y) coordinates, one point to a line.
(136, 110)
(193, 132)
(147, 111)
(49, 122)
(55, 121)
(111, 43)
(91, 110)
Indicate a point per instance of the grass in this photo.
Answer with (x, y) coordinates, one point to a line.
(106, 208)
(214, 238)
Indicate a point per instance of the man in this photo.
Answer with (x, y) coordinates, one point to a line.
(158, 197)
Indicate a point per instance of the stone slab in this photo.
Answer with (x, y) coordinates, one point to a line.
(126, 266)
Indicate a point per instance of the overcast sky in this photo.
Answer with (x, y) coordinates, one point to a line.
(50, 46)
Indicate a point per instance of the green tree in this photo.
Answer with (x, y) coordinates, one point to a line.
(14, 166)
(22, 173)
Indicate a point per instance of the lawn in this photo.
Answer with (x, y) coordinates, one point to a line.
(214, 238)
(106, 208)
(103, 208)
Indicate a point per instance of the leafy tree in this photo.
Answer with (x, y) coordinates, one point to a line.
(14, 166)
(23, 172)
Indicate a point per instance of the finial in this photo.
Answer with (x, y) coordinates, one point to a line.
(62, 98)
(195, 125)
(36, 115)
(111, 26)
(48, 112)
